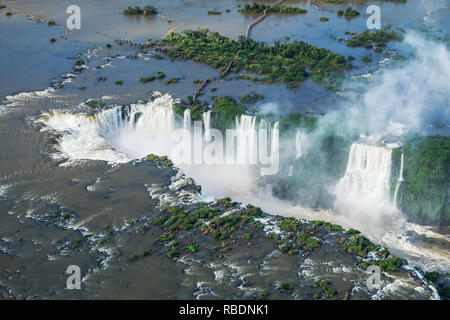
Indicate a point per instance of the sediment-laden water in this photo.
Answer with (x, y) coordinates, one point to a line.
(73, 190)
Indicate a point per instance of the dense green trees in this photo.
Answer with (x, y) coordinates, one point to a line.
(147, 10)
(212, 12)
(283, 62)
(226, 109)
(424, 196)
(259, 8)
(350, 12)
(147, 79)
(377, 39)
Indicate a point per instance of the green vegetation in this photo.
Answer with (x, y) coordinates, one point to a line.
(301, 237)
(284, 286)
(118, 82)
(52, 40)
(389, 264)
(367, 59)
(213, 12)
(192, 247)
(177, 220)
(51, 23)
(172, 80)
(375, 39)
(147, 79)
(173, 254)
(333, 1)
(226, 109)
(259, 8)
(251, 98)
(349, 12)
(295, 121)
(352, 231)
(163, 161)
(2, 6)
(324, 19)
(327, 225)
(441, 282)
(92, 103)
(359, 245)
(281, 62)
(424, 196)
(324, 289)
(147, 10)
(161, 75)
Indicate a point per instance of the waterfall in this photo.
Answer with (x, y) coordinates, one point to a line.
(246, 139)
(399, 180)
(368, 173)
(206, 116)
(301, 147)
(187, 119)
(274, 141)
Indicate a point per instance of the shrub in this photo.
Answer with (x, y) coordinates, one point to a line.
(359, 245)
(160, 75)
(349, 12)
(147, 79)
(390, 264)
(147, 10)
(172, 80)
(212, 12)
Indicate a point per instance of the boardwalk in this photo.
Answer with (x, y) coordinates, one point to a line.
(254, 23)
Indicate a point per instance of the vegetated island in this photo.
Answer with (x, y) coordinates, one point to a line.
(146, 11)
(375, 39)
(349, 12)
(259, 8)
(281, 62)
(214, 12)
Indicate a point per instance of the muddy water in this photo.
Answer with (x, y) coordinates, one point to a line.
(49, 209)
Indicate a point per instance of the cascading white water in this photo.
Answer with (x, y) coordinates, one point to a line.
(246, 139)
(118, 134)
(121, 134)
(301, 144)
(206, 116)
(274, 140)
(187, 119)
(362, 194)
(400, 179)
(368, 172)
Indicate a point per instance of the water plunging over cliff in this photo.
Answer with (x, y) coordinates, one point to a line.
(400, 179)
(368, 172)
(301, 144)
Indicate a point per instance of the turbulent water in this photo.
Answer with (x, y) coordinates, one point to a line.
(362, 194)
(400, 178)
